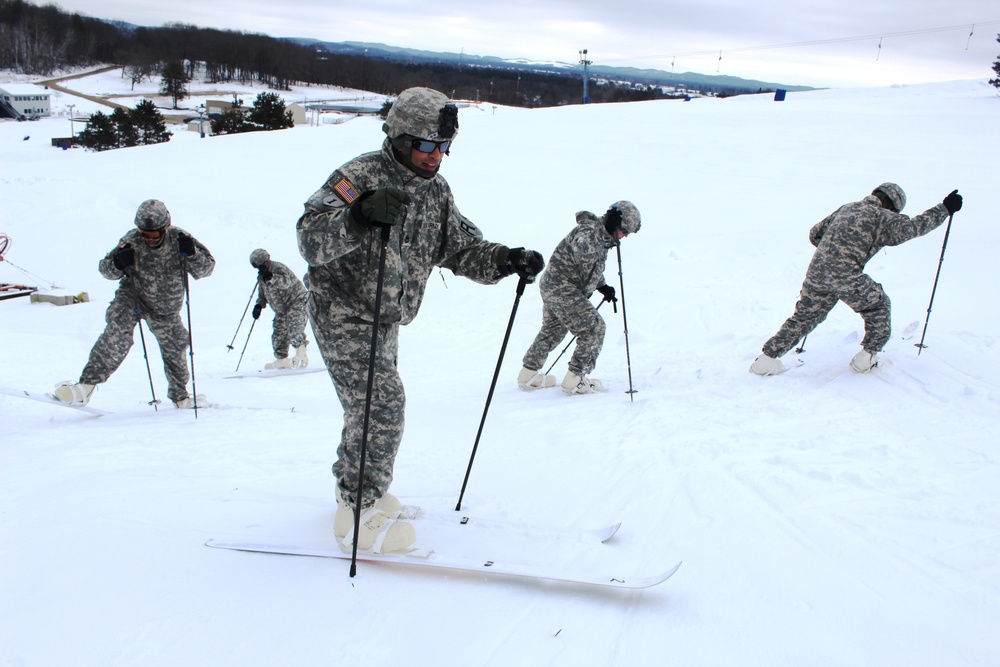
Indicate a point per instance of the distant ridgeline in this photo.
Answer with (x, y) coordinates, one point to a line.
(40, 40)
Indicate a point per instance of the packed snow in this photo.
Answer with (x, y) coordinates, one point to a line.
(822, 517)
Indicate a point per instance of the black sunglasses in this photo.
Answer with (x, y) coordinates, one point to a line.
(427, 146)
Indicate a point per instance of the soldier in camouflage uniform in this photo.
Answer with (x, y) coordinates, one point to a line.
(149, 262)
(339, 236)
(278, 286)
(845, 241)
(575, 271)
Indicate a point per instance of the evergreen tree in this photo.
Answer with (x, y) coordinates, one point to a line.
(149, 124)
(100, 134)
(996, 69)
(232, 120)
(173, 80)
(268, 113)
(125, 131)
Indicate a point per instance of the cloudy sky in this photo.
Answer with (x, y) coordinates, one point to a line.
(821, 42)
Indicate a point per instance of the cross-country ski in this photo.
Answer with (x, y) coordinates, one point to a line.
(607, 577)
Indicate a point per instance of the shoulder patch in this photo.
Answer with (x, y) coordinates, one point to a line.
(346, 191)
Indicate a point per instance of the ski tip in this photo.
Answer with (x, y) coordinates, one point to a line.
(610, 531)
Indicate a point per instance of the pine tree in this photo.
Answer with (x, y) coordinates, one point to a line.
(232, 120)
(100, 134)
(996, 69)
(149, 124)
(268, 113)
(125, 130)
(173, 81)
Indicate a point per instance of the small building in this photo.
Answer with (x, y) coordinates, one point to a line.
(24, 100)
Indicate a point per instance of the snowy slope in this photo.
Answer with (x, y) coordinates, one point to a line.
(823, 518)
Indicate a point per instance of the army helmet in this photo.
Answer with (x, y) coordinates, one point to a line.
(631, 220)
(421, 113)
(152, 216)
(259, 257)
(893, 193)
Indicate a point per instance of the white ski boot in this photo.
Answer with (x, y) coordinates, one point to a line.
(528, 379)
(580, 384)
(380, 530)
(301, 359)
(278, 363)
(863, 361)
(765, 365)
(72, 393)
(188, 403)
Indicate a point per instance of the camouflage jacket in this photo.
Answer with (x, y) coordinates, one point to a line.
(850, 236)
(283, 291)
(343, 264)
(157, 279)
(577, 263)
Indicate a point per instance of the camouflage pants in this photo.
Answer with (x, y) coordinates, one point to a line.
(289, 328)
(862, 294)
(114, 344)
(346, 350)
(577, 316)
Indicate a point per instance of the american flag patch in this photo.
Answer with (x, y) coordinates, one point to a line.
(346, 191)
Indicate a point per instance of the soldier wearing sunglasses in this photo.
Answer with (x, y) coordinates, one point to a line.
(339, 235)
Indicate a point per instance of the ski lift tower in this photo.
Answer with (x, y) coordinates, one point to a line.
(586, 75)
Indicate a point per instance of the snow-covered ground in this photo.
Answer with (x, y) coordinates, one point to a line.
(822, 517)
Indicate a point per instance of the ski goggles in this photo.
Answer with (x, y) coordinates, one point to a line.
(428, 146)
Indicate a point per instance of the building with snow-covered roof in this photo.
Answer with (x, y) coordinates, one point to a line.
(24, 100)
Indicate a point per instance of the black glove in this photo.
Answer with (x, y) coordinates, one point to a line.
(608, 292)
(256, 311)
(185, 244)
(379, 207)
(953, 202)
(264, 273)
(124, 257)
(526, 263)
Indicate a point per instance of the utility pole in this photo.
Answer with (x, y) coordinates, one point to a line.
(586, 75)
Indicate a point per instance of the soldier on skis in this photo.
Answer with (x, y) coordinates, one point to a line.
(845, 240)
(278, 286)
(397, 187)
(149, 262)
(575, 271)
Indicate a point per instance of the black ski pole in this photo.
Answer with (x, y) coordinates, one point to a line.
(142, 338)
(230, 346)
(621, 284)
(187, 300)
(569, 343)
(369, 390)
(252, 325)
(489, 397)
(920, 346)
(802, 348)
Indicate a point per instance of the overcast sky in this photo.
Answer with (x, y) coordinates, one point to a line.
(838, 43)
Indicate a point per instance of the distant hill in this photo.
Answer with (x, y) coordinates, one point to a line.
(629, 74)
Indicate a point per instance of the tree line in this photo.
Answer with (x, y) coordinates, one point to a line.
(42, 39)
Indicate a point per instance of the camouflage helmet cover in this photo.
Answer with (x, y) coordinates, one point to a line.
(893, 193)
(631, 220)
(152, 215)
(422, 113)
(258, 257)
